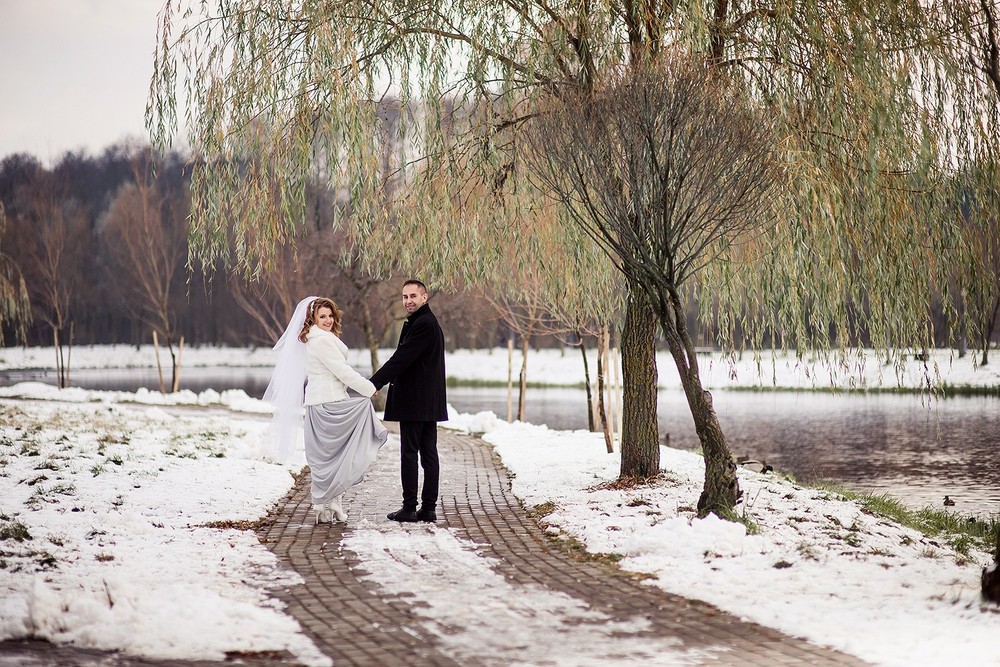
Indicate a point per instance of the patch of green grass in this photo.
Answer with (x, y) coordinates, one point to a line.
(181, 453)
(950, 390)
(961, 532)
(807, 550)
(47, 464)
(502, 384)
(105, 439)
(878, 551)
(45, 494)
(29, 449)
(736, 517)
(945, 390)
(853, 539)
(196, 445)
(14, 530)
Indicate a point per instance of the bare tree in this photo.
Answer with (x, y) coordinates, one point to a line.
(369, 302)
(664, 166)
(526, 315)
(269, 298)
(145, 233)
(52, 235)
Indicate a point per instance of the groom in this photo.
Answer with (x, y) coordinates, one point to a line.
(416, 399)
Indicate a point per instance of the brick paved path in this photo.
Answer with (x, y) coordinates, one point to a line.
(356, 622)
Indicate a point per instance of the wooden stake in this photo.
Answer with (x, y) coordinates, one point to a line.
(510, 379)
(159, 368)
(177, 365)
(616, 396)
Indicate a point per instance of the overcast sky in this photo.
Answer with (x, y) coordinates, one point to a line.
(74, 74)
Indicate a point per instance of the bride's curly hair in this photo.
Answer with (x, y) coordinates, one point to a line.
(321, 302)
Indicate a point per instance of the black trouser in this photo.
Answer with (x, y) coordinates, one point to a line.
(418, 438)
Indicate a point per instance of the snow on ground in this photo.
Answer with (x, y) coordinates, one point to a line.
(115, 490)
(105, 545)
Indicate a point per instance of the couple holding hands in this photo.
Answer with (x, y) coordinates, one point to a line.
(342, 434)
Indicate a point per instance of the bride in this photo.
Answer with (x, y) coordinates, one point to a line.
(341, 435)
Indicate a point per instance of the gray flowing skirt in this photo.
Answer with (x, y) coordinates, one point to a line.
(342, 439)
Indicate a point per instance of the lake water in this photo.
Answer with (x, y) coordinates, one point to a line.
(905, 445)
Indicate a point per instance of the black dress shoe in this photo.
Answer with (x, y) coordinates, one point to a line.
(403, 516)
(426, 515)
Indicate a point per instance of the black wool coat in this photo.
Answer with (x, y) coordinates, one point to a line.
(415, 371)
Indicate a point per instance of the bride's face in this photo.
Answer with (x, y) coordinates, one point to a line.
(324, 319)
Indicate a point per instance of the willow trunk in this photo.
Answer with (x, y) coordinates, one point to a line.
(586, 383)
(602, 375)
(721, 489)
(640, 436)
(991, 576)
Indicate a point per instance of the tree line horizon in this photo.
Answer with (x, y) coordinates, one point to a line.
(76, 204)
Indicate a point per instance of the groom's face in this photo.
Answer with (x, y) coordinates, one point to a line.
(413, 297)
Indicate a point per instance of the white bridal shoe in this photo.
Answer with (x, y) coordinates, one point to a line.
(323, 514)
(336, 509)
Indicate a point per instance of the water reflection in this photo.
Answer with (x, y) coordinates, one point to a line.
(918, 451)
(911, 448)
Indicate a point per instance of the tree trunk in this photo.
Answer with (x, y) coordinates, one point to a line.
(59, 359)
(510, 379)
(159, 366)
(721, 489)
(586, 381)
(378, 400)
(602, 370)
(522, 398)
(988, 332)
(991, 576)
(176, 380)
(615, 389)
(69, 352)
(640, 444)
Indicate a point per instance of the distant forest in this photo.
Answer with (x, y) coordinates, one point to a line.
(102, 245)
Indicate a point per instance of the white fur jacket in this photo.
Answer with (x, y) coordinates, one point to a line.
(329, 375)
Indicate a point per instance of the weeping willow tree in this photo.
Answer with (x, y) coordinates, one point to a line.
(15, 308)
(869, 99)
(665, 166)
(555, 280)
(977, 182)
